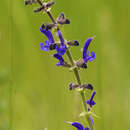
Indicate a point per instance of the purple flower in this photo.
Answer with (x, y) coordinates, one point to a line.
(50, 44)
(60, 58)
(79, 126)
(86, 56)
(91, 102)
(92, 120)
(62, 48)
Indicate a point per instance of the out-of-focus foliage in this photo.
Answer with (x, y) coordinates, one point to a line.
(34, 92)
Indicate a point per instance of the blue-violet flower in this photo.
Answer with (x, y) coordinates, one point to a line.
(50, 41)
(91, 102)
(86, 56)
(79, 126)
(60, 58)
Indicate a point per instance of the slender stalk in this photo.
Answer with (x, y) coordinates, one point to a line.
(73, 64)
(81, 93)
(11, 66)
(50, 16)
(77, 77)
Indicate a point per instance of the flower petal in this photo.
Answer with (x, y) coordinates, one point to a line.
(48, 34)
(92, 120)
(61, 50)
(60, 58)
(58, 64)
(44, 48)
(78, 125)
(60, 36)
(86, 128)
(92, 57)
(85, 48)
(91, 102)
(93, 94)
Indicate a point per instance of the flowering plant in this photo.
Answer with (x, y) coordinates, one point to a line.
(62, 48)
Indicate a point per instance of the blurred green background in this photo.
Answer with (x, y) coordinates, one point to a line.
(34, 92)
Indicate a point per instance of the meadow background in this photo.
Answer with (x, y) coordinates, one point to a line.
(34, 92)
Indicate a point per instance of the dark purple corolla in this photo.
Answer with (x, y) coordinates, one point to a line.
(61, 61)
(62, 48)
(82, 63)
(86, 56)
(79, 126)
(91, 102)
(50, 44)
(60, 58)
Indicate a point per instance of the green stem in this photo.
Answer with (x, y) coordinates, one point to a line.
(81, 93)
(73, 64)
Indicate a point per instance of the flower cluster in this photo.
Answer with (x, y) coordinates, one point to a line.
(51, 45)
(61, 48)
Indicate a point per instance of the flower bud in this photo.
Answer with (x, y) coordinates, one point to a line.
(73, 43)
(73, 86)
(84, 65)
(49, 26)
(80, 63)
(62, 20)
(27, 2)
(87, 86)
(43, 26)
(52, 46)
